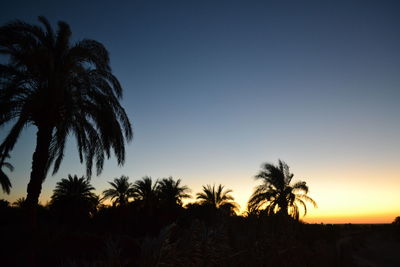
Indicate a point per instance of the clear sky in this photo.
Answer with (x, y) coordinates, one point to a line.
(216, 88)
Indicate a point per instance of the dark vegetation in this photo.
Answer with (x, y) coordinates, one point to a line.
(146, 224)
(62, 88)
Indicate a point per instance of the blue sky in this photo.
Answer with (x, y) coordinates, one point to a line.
(215, 88)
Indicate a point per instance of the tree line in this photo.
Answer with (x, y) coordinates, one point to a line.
(275, 195)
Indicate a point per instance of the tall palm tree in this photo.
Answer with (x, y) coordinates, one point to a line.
(277, 195)
(61, 88)
(217, 198)
(145, 191)
(4, 180)
(171, 193)
(74, 197)
(120, 192)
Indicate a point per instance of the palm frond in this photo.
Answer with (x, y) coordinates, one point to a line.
(5, 182)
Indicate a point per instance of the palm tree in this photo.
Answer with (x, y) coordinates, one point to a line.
(120, 192)
(218, 199)
(145, 191)
(171, 193)
(4, 180)
(19, 202)
(74, 198)
(277, 195)
(61, 88)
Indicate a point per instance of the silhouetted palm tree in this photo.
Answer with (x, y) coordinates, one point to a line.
(74, 198)
(145, 191)
(171, 193)
(4, 180)
(61, 88)
(277, 195)
(217, 198)
(19, 202)
(120, 192)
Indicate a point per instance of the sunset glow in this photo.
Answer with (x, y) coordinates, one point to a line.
(212, 99)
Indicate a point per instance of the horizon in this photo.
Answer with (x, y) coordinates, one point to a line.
(214, 90)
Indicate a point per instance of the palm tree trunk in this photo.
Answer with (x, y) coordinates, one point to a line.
(39, 170)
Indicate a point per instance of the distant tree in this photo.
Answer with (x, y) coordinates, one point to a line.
(61, 88)
(171, 193)
(397, 221)
(4, 180)
(145, 192)
(19, 202)
(218, 199)
(4, 204)
(277, 195)
(120, 192)
(74, 199)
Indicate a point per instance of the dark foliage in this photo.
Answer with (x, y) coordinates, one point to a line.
(198, 236)
(61, 88)
(4, 179)
(276, 194)
(218, 198)
(120, 192)
(73, 200)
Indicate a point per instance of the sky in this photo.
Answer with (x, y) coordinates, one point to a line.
(216, 88)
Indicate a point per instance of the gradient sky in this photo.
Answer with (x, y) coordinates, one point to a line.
(216, 88)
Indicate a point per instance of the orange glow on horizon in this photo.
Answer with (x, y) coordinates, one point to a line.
(344, 194)
(357, 219)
